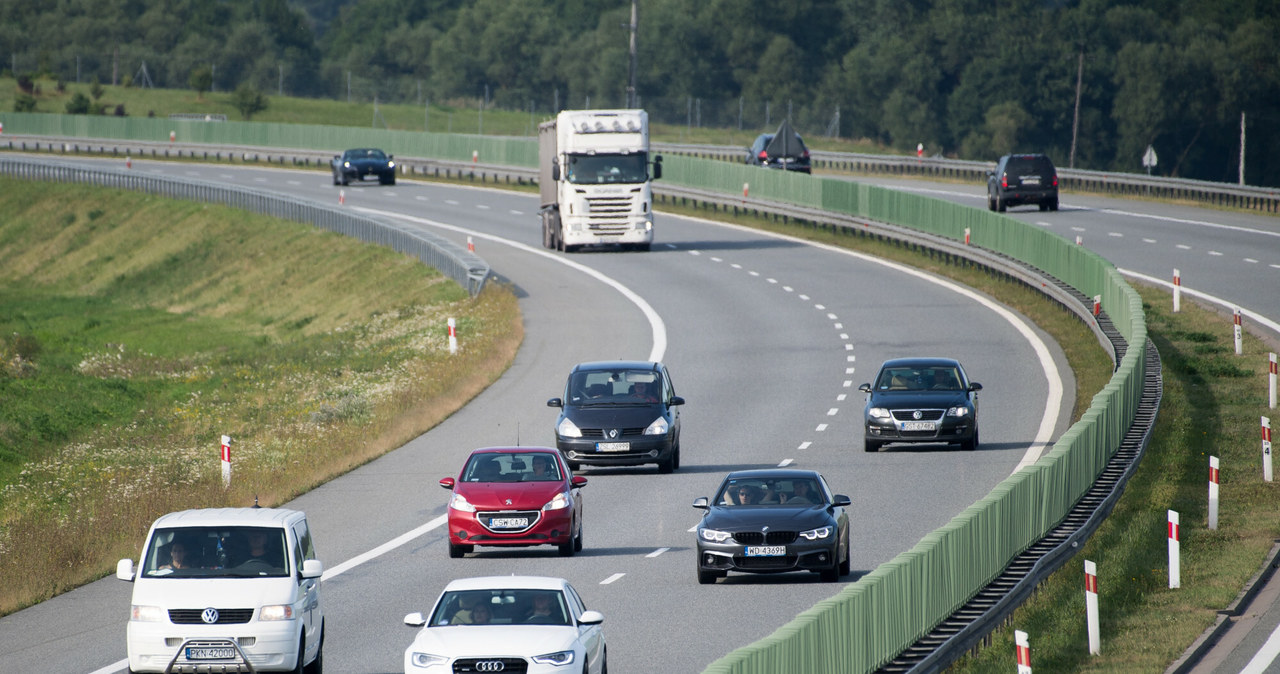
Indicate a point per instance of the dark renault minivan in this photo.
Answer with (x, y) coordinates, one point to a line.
(619, 413)
(1023, 179)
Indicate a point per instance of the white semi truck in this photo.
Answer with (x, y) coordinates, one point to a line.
(595, 180)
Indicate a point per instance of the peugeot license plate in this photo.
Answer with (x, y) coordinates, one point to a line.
(210, 653)
(766, 550)
(613, 446)
(919, 426)
(508, 522)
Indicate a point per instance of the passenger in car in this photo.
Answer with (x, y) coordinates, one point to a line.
(800, 493)
(746, 495)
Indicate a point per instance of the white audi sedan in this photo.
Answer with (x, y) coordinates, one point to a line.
(510, 624)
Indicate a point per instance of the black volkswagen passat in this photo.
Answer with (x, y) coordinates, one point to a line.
(773, 521)
(921, 400)
(619, 413)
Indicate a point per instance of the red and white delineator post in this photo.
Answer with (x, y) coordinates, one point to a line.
(453, 337)
(471, 245)
(746, 189)
(173, 135)
(1177, 291)
(1097, 306)
(342, 197)
(966, 236)
(128, 162)
(1091, 606)
(1213, 493)
(1022, 649)
(1235, 315)
(475, 156)
(226, 461)
(1175, 552)
(1266, 449)
(1271, 382)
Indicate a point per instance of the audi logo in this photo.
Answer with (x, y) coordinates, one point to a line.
(209, 616)
(490, 666)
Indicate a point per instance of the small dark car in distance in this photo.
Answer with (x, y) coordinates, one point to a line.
(925, 400)
(356, 164)
(619, 413)
(773, 521)
(1023, 179)
(781, 150)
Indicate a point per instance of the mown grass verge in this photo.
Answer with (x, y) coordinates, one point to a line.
(135, 331)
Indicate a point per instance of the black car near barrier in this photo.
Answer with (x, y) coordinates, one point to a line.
(923, 400)
(356, 164)
(1023, 179)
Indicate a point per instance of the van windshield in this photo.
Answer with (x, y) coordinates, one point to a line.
(213, 552)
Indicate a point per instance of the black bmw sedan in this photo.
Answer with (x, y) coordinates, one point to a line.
(921, 400)
(773, 521)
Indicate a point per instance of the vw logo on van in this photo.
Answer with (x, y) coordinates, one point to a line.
(490, 666)
(209, 616)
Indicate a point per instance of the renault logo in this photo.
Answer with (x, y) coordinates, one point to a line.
(209, 616)
(613, 433)
(916, 414)
(490, 666)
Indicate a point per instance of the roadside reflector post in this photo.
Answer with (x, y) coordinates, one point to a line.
(1079, 240)
(471, 245)
(746, 187)
(1271, 382)
(967, 233)
(226, 461)
(475, 156)
(342, 197)
(1175, 554)
(1097, 306)
(1091, 606)
(1266, 449)
(1213, 493)
(128, 162)
(1022, 648)
(453, 337)
(1237, 330)
(173, 135)
(1177, 291)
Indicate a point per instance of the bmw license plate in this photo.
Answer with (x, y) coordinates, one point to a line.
(919, 426)
(613, 446)
(508, 522)
(766, 550)
(207, 653)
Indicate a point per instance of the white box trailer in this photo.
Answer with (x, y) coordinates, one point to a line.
(595, 180)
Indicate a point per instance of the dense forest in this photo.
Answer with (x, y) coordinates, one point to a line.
(967, 78)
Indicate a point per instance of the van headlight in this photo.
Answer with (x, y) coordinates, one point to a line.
(276, 612)
(147, 614)
(658, 427)
(568, 429)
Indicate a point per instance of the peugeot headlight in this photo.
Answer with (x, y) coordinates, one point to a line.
(460, 502)
(427, 659)
(146, 614)
(568, 429)
(658, 427)
(714, 536)
(878, 413)
(559, 658)
(958, 412)
(815, 534)
(560, 502)
(276, 612)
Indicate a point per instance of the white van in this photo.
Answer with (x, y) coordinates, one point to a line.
(226, 590)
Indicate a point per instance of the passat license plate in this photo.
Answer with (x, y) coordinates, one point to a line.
(766, 550)
(919, 426)
(508, 522)
(613, 446)
(208, 653)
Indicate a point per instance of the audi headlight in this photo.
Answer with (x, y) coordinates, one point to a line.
(658, 427)
(559, 658)
(878, 413)
(427, 659)
(460, 502)
(714, 536)
(958, 412)
(147, 614)
(815, 534)
(568, 429)
(276, 612)
(561, 501)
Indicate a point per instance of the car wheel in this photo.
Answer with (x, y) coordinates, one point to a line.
(577, 540)
(458, 551)
(972, 443)
(317, 665)
(1000, 204)
(991, 202)
(707, 577)
(335, 179)
(1044, 206)
(345, 180)
(302, 653)
(567, 548)
(604, 662)
(388, 181)
(846, 566)
(668, 464)
(675, 458)
(1053, 204)
(870, 446)
(642, 247)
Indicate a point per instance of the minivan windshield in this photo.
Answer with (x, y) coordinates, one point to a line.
(614, 387)
(211, 552)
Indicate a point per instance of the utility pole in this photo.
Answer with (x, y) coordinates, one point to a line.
(1075, 121)
(631, 87)
(1242, 147)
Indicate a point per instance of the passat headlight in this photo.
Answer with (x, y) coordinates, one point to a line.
(658, 427)
(276, 612)
(146, 614)
(558, 658)
(427, 659)
(815, 534)
(958, 412)
(559, 502)
(878, 413)
(568, 429)
(460, 502)
(714, 536)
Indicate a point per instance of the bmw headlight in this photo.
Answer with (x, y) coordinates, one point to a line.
(958, 412)
(560, 502)
(147, 614)
(658, 427)
(878, 413)
(276, 612)
(714, 536)
(460, 502)
(346, 164)
(558, 658)
(568, 429)
(427, 659)
(815, 534)
(391, 164)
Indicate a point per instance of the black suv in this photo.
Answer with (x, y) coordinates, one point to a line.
(782, 150)
(1023, 179)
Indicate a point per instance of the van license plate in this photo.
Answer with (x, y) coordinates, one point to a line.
(766, 550)
(919, 426)
(613, 446)
(222, 653)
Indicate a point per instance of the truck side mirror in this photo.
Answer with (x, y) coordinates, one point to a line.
(657, 167)
(555, 171)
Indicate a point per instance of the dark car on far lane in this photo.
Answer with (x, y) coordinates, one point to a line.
(921, 400)
(1023, 179)
(773, 521)
(781, 150)
(356, 164)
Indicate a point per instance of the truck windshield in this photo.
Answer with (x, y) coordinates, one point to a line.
(601, 169)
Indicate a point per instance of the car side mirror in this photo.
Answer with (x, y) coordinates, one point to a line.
(415, 619)
(975, 386)
(700, 503)
(840, 500)
(591, 618)
(555, 171)
(124, 570)
(447, 483)
(312, 568)
(865, 388)
(555, 402)
(676, 400)
(578, 481)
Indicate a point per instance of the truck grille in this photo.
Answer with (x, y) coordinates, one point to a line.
(609, 213)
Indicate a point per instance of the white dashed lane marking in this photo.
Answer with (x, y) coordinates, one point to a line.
(612, 578)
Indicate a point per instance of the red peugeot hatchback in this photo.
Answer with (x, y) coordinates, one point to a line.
(515, 496)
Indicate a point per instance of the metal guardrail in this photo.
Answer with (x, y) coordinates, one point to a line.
(456, 262)
(1262, 199)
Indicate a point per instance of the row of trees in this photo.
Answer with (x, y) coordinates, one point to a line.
(965, 77)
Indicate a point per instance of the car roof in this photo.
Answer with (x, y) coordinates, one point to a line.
(253, 517)
(514, 450)
(506, 583)
(920, 362)
(617, 365)
(771, 474)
